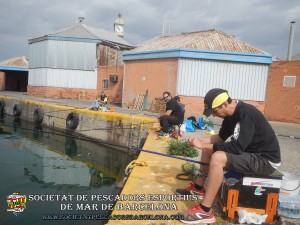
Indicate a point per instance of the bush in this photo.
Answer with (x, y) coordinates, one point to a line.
(188, 168)
(182, 149)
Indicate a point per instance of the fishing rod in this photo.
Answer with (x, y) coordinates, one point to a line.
(288, 136)
(167, 155)
(113, 145)
(84, 130)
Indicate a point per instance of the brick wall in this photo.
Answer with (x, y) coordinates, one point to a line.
(156, 76)
(56, 92)
(114, 90)
(283, 103)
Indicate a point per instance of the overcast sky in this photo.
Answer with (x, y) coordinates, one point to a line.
(265, 24)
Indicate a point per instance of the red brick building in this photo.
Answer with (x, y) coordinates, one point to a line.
(283, 92)
(189, 64)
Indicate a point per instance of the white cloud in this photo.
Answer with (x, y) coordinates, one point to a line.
(263, 24)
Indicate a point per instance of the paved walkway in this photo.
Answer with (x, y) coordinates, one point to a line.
(74, 103)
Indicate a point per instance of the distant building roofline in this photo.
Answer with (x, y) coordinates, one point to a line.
(212, 39)
(81, 32)
(19, 63)
(199, 54)
(13, 68)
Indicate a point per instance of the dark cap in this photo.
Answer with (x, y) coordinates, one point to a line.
(176, 98)
(214, 98)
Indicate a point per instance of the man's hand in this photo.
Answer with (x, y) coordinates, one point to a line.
(201, 143)
(195, 142)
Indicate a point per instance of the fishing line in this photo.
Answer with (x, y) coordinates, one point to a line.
(112, 145)
(36, 165)
(111, 128)
(108, 128)
(75, 136)
(167, 155)
(293, 137)
(49, 115)
(81, 137)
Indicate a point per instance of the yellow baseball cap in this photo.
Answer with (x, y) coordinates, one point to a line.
(214, 98)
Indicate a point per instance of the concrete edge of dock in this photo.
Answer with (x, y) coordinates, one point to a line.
(151, 188)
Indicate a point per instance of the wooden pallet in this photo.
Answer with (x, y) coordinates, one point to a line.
(158, 105)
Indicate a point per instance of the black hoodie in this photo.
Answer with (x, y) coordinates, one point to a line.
(251, 132)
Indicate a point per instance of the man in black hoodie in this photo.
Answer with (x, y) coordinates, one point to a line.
(253, 149)
(172, 116)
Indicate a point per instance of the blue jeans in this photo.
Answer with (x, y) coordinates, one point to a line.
(95, 104)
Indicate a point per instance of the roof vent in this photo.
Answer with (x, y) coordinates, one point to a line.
(80, 19)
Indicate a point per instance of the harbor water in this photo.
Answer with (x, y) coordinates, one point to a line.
(65, 179)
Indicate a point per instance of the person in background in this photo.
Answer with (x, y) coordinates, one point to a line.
(172, 116)
(103, 98)
(253, 149)
(177, 98)
(95, 105)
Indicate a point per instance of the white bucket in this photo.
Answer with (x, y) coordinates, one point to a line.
(290, 184)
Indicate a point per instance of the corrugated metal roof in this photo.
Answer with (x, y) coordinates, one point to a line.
(214, 40)
(21, 61)
(81, 30)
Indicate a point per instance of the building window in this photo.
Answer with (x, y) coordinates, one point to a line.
(289, 81)
(104, 84)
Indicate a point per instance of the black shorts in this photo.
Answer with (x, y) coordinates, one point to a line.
(248, 163)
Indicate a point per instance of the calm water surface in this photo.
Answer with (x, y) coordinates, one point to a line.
(42, 163)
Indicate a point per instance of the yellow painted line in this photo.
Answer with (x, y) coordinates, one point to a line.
(5, 97)
(110, 116)
(156, 179)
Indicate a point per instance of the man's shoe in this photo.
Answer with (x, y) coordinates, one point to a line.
(197, 215)
(163, 134)
(191, 190)
(160, 130)
(170, 129)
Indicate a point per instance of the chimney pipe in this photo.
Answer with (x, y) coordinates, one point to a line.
(291, 41)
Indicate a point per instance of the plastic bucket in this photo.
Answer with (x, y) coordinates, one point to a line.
(290, 184)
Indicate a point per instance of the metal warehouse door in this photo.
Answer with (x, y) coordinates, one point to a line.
(245, 81)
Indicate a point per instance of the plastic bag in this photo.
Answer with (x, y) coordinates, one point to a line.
(251, 218)
(189, 126)
(209, 124)
(182, 129)
(201, 123)
(205, 124)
